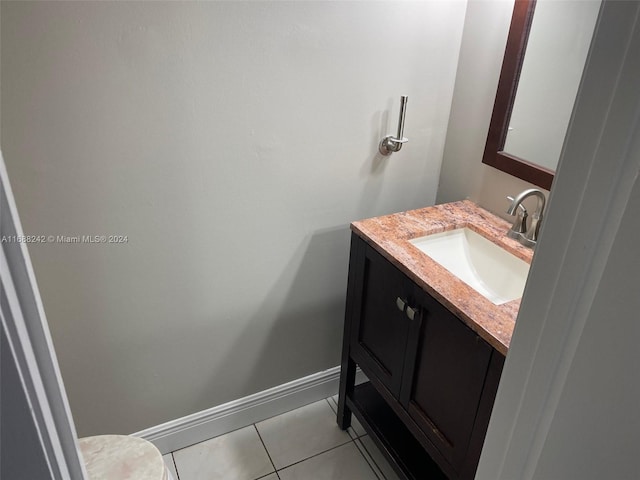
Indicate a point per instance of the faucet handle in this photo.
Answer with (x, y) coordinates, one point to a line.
(520, 206)
(519, 227)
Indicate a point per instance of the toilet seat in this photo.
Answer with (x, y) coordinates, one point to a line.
(120, 457)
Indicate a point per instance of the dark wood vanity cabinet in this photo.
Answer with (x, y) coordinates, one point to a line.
(380, 329)
(432, 380)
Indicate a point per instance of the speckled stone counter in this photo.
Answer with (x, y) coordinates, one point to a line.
(390, 235)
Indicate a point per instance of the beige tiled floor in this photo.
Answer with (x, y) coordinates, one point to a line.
(304, 444)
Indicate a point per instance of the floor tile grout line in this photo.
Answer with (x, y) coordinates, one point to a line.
(266, 450)
(331, 406)
(373, 459)
(276, 470)
(316, 454)
(379, 470)
(267, 475)
(175, 467)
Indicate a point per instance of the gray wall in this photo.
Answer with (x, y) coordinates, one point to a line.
(232, 142)
(463, 173)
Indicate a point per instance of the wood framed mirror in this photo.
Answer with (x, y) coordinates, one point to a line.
(535, 97)
(494, 154)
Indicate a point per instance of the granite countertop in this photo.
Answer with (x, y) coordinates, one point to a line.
(390, 235)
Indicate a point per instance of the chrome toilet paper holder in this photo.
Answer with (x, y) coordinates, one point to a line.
(390, 144)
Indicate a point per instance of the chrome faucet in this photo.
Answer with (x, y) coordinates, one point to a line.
(528, 236)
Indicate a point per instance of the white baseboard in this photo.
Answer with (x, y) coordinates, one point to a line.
(200, 426)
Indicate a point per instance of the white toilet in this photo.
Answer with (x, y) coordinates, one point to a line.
(119, 457)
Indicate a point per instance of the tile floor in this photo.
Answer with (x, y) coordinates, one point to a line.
(303, 444)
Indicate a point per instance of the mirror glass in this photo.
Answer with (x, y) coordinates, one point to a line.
(556, 52)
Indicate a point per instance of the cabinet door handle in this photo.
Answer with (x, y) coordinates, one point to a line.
(411, 313)
(401, 304)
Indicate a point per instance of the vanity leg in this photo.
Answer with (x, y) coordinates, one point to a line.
(348, 366)
(347, 383)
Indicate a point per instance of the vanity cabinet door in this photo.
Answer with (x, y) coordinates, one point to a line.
(380, 327)
(447, 380)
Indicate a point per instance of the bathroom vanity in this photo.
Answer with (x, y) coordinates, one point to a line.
(431, 346)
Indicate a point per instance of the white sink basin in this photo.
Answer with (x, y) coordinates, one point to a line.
(489, 269)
